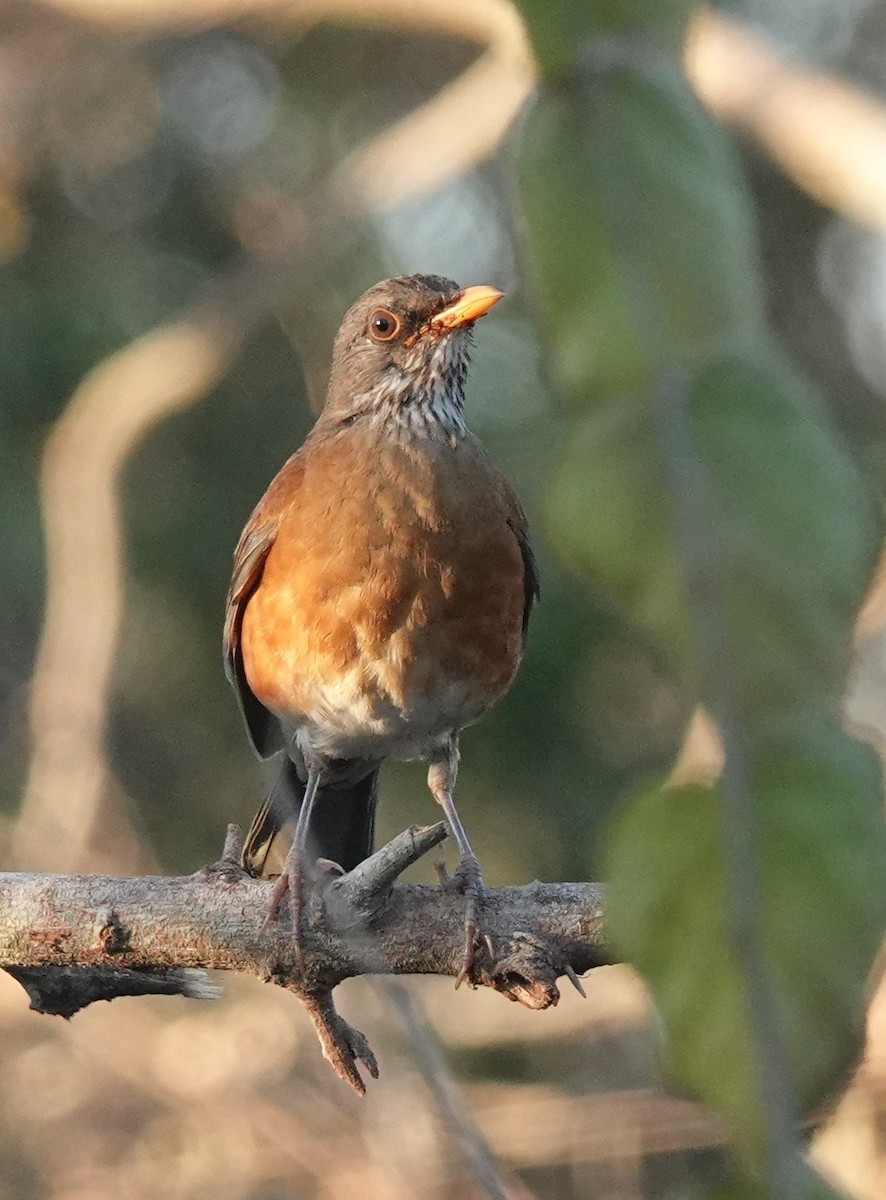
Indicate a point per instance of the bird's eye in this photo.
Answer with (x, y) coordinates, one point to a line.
(383, 325)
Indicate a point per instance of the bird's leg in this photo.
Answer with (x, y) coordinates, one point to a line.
(292, 878)
(441, 781)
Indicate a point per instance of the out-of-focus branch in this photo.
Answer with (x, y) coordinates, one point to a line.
(357, 924)
(457, 128)
(466, 120)
(474, 20)
(109, 413)
(825, 133)
(872, 616)
(450, 1104)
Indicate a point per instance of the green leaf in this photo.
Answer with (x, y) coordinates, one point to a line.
(814, 1188)
(639, 230)
(705, 488)
(820, 837)
(789, 534)
(792, 536)
(558, 28)
(645, 258)
(609, 515)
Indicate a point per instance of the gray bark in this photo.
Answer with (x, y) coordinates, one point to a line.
(73, 939)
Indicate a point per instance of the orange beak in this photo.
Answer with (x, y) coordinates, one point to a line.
(471, 304)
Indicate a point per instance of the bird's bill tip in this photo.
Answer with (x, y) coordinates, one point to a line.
(472, 303)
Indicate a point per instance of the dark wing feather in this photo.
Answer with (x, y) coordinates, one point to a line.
(531, 588)
(249, 561)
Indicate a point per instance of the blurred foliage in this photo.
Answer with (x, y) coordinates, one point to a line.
(699, 976)
(666, 238)
(707, 488)
(134, 170)
(557, 27)
(595, 178)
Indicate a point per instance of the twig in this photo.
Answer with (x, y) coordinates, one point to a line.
(826, 133)
(356, 924)
(343, 1046)
(431, 1062)
(63, 991)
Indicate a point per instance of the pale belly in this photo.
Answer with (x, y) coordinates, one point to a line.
(397, 686)
(349, 720)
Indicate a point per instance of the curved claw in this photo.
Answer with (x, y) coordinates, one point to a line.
(575, 981)
(326, 866)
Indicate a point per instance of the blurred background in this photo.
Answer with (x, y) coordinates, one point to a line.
(190, 197)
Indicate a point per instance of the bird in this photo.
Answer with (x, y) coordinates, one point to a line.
(381, 592)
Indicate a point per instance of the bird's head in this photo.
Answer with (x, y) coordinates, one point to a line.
(402, 353)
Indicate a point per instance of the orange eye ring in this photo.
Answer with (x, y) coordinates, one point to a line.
(383, 325)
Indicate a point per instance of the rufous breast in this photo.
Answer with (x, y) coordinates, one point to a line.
(391, 604)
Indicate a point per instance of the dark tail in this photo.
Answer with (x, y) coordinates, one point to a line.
(342, 823)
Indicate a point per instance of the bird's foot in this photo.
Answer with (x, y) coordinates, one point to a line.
(469, 880)
(291, 882)
(278, 893)
(298, 880)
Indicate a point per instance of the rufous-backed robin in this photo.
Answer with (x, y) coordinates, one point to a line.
(381, 588)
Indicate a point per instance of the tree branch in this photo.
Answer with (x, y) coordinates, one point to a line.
(74, 939)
